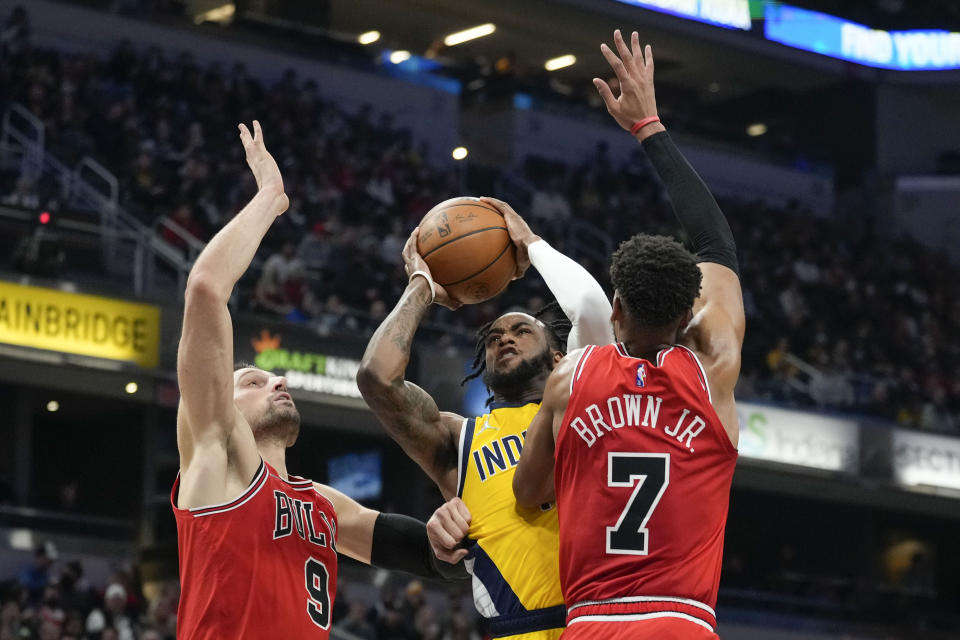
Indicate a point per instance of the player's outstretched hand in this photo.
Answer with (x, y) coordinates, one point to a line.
(634, 71)
(413, 262)
(519, 231)
(446, 528)
(264, 167)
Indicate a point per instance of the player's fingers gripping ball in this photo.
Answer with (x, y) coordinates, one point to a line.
(466, 245)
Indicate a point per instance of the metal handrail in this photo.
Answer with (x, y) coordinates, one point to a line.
(116, 224)
(111, 198)
(518, 189)
(32, 146)
(579, 229)
(194, 244)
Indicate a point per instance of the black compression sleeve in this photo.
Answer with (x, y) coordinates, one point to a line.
(693, 204)
(400, 543)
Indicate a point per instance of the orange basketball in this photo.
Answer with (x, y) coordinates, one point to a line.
(467, 247)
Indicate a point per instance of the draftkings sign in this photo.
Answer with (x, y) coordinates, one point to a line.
(79, 324)
(309, 362)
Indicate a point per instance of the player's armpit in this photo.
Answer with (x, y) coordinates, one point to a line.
(718, 326)
(411, 418)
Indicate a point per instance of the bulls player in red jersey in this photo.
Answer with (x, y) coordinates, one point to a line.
(258, 545)
(636, 441)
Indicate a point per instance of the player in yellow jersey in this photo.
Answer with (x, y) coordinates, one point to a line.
(513, 558)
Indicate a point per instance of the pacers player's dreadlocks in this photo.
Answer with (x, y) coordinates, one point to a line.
(558, 327)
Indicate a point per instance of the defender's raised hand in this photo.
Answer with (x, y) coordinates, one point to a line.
(264, 167)
(519, 231)
(634, 70)
(413, 262)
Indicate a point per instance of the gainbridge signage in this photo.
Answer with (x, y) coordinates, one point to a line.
(79, 324)
(798, 438)
(310, 363)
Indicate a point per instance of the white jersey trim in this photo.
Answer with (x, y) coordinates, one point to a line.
(229, 506)
(581, 361)
(663, 353)
(634, 617)
(461, 468)
(481, 597)
(703, 372)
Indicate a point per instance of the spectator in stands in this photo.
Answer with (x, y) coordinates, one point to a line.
(113, 617)
(157, 121)
(35, 576)
(549, 207)
(314, 250)
(356, 622)
(183, 217)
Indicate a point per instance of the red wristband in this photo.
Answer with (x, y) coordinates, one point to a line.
(642, 123)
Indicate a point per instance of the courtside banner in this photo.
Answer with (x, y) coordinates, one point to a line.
(922, 459)
(79, 324)
(798, 438)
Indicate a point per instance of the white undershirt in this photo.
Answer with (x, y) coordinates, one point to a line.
(580, 296)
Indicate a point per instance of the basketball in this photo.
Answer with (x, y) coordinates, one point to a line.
(466, 245)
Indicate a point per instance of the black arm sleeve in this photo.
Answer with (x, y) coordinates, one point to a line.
(400, 543)
(693, 204)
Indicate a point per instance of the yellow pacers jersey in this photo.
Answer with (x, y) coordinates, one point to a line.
(516, 582)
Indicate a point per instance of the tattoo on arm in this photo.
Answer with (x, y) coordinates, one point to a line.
(407, 319)
(408, 413)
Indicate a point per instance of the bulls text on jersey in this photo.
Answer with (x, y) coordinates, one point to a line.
(297, 515)
(635, 410)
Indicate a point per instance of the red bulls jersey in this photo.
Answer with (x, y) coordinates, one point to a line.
(261, 566)
(643, 473)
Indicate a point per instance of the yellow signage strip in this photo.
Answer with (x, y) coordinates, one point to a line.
(81, 324)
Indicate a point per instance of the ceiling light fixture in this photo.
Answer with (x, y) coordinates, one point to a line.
(559, 63)
(469, 34)
(368, 37)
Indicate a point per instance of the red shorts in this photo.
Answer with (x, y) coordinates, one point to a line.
(655, 629)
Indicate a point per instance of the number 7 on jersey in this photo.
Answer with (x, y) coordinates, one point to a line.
(649, 474)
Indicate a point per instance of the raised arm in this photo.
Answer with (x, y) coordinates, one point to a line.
(533, 479)
(408, 413)
(717, 329)
(208, 436)
(577, 292)
(391, 540)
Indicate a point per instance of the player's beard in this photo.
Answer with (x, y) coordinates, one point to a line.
(280, 423)
(512, 382)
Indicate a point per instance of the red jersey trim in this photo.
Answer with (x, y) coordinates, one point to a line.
(633, 599)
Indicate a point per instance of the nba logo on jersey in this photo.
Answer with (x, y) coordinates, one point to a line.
(642, 374)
